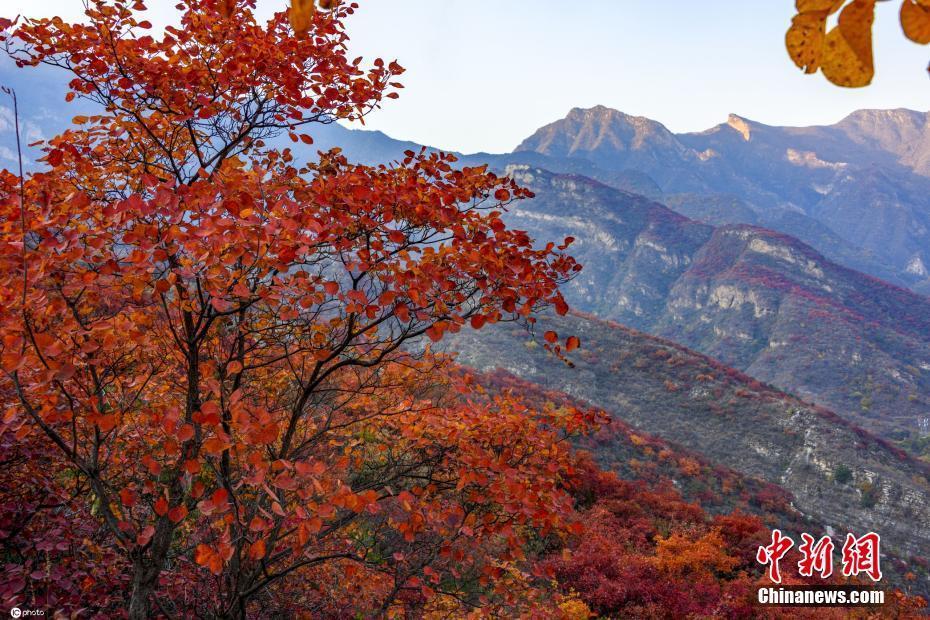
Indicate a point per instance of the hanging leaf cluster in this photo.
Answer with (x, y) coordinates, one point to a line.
(844, 53)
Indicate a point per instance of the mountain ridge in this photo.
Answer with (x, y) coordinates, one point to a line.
(866, 178)
(756, 299)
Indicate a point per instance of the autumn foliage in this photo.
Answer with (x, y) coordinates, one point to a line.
(646, 553)
(219, 397)
(214, 377)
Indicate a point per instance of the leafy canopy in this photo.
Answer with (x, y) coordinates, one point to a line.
(222, 347)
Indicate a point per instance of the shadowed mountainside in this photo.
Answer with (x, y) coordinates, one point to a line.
(758, 300)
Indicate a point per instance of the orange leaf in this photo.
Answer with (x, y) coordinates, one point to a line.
(205, 556)
(257, 549)
(551, 337)
(306, 529)
(915, 20)
(177, 513)
(215, 446)
(185, 433)
(572, 343)
(227, 8)
(301, 15)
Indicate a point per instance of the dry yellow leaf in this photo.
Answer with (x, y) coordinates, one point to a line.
(805, 38)
(915, 20)
(301, 15)
(856, 25)
(847, 59)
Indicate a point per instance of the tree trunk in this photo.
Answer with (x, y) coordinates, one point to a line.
(143, 585)
(147, 569)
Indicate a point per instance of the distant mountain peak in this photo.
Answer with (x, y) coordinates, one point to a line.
(601, 112)
(621, 141)
(894, 115)
(741, 125)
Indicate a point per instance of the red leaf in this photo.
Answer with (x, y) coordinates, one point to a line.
(145, 536)
(161, 507)
(127, 497)
(219, 497)
(177, 513)
(185, 433)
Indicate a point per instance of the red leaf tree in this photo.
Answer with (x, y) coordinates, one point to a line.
(218, 343)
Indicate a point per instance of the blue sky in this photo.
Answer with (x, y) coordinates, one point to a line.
(484, 74)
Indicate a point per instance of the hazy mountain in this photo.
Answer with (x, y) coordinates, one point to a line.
(758, 300)
(862, 182)
(616, 141)
(866, 179)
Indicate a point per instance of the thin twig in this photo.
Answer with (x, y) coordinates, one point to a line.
(22, 186)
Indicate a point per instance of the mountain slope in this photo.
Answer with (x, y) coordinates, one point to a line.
(681, 396)
(755, 299)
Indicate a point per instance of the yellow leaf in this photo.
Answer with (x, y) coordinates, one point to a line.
(805, 38)
(847, 59)
(301, 15)
(915, 20)
(856, 25)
